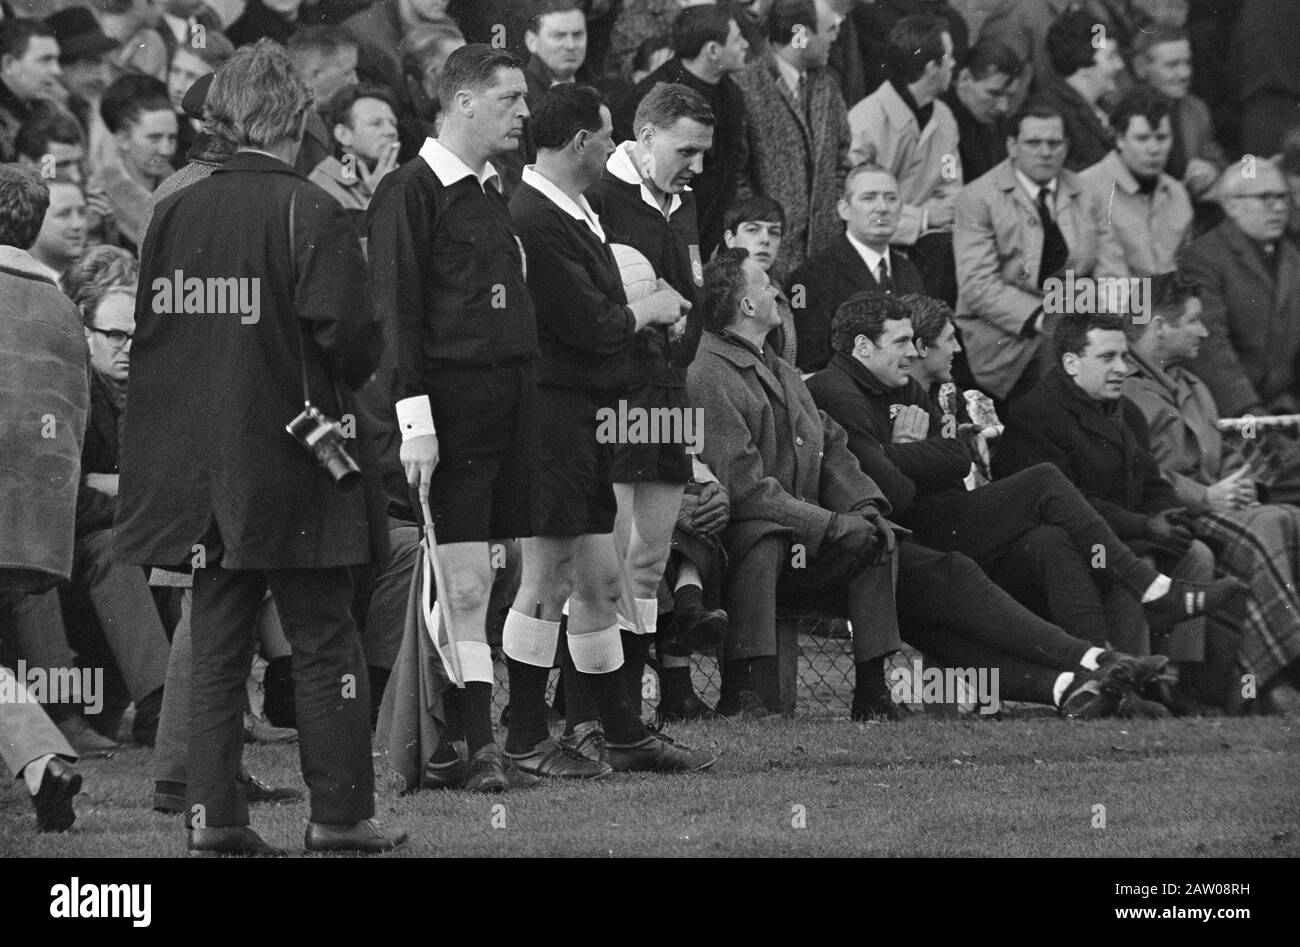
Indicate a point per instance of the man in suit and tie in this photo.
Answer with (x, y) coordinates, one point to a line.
(1024, 222)
(857, 260)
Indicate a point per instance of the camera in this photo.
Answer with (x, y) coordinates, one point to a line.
(324, 439)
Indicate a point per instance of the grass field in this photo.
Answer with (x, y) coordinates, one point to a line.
(928, 786)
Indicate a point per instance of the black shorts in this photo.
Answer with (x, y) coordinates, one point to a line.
(572, 494)
(639, 459)
(485, 418)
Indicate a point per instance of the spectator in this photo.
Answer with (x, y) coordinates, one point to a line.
(380, 29)
(265, 19)
(988, 79)
(51, 143)
(327, 58)
(756, 225)
(860, 259)
(1249, 278)
(1251, 541)
(134, 26)
(188, 23)
(188, 64)
(798, 128)
(1078, 419)
(1150, 212)
(208, 152)
(86, 66)
(29, 73)
(874, 22)
(1024, 222)
(708, 49)
(1263, 59)
(103, 285)
(1163, 60)
(174, 494)
(650, 55)
(424, 54)
(364, 124)
(35, 751)
(62, 237)
(907, 129)
(637, 21)
(138, 112)
(1083, 73)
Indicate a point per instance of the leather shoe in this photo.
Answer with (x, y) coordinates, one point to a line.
(550, 758)
(257, 791)
(692, 708)
(886, 710)
(699, 630)
(449, 775)
(168, 797)
(83, 738)
(486, 771)
(231, 840)
(1186, 599)
(588, 738)
(53, 801)
(365, 837)
(658, 753)
(747, 705)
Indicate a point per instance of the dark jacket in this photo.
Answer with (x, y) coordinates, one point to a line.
(914, 476)
(785, 465)
(204, 440)
(1102, 448)
(982, 146)
(99, 453)
(13, 112)
(1090, 140)
(715, 189)
(827, 279)
(584, 327)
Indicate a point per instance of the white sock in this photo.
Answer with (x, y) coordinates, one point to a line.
(1089, 659)
(530, 640)
(476, 661)
(34, 772)
(597, 652)
(1062, 684)
(1158, 589)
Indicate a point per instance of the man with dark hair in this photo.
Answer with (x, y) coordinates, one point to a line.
(327, 56)
(29, 72)
(809, 489)
(860, 259)
(379, 29)
(757, 224)
(62, 238)
(988, 79)
(1085, 69)
(50, 142)
(363, 120)
(448, 270)
(84, 61)
(797, 127)
(1032, 532)
(873, 22)
(1025, 222)
(138, 111)
(645, 202)
(586, 328)
(708, 48)
(1078, 419)
(907, 129)
(1150, 212)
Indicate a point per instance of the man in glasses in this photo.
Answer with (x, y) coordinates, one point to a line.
(1021, 224)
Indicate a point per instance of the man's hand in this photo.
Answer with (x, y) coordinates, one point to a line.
(854, 534)
(886, 541)
(97, 203)
(1199, 176)
(419, 457)
(1165, 530)
(104, 483)
(713, 510)
(387, 162)
(662, 308)
(1233, 492)
(911, 424)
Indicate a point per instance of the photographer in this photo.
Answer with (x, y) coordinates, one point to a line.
(211, 480)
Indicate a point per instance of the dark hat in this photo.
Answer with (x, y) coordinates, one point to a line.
(192, 104)
(78, 34)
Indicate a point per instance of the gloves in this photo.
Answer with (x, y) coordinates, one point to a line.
(887, 543)
(1169, 530)
(713, 511)
(862, 534)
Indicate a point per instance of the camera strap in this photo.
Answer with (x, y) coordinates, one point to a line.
(293, 276)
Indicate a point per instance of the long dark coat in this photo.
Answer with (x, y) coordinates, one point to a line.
(211, 393)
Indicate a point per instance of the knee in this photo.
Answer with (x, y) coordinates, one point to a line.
(599, 591)
(1046, 544)
(467, 590)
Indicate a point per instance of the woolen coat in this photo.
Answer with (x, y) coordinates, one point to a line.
(204, 439)
(795, 158)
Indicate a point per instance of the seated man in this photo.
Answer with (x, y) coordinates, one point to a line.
(988, 78)
(808, 528)
(859, 259)
(1024, 222)
(1254, 542)
(907, 447)
(1150, 212)
(757, 224)
(1078, 420)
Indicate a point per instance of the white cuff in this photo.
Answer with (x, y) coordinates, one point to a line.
(415, 417)
(530, 640)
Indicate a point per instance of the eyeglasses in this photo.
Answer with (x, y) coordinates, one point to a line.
(1270, 197)
(116, 337)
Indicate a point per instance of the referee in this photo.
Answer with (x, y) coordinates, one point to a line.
(461, 347)
(586, 330)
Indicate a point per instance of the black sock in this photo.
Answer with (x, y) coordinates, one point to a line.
(476, 714)
(579, 705)
(675, 686)
(688, 596)
(277, 693)
(446, 751)
(869, 684)
(527, 706)
(635, 650)
(621, 722)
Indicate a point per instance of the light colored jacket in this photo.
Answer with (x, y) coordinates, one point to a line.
(349, 189)
(926, 162)
(1153, 229)
(998, 242)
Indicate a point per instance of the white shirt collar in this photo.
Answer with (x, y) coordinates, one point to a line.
(789, 73)
(869, 256)
(450, 169)
(1033, 187)
(621, 166)
(580, 211)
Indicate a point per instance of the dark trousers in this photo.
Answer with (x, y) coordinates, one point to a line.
(331, 689)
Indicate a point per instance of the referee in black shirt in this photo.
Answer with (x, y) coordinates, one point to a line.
(461, 347)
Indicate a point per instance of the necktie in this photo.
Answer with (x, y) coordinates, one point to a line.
(1056, 252)
(883, 279)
